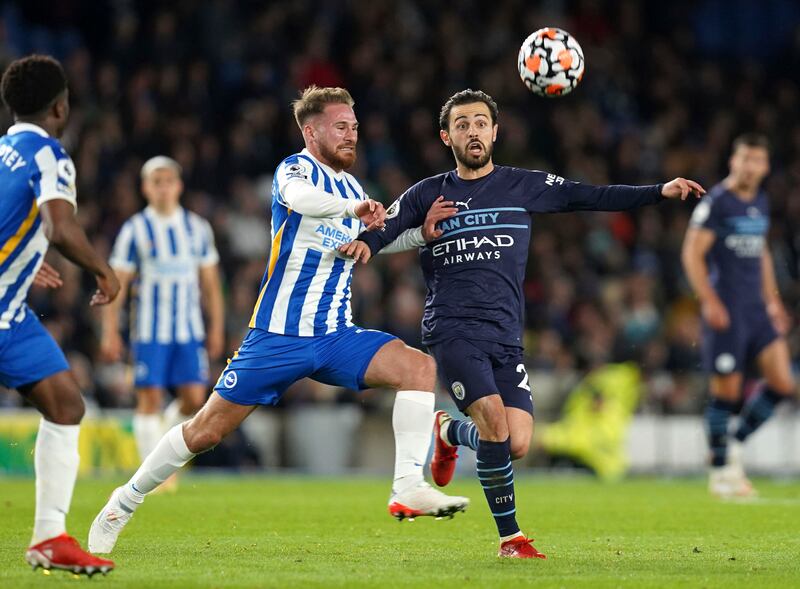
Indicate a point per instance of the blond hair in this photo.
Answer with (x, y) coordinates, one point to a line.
(314, 99)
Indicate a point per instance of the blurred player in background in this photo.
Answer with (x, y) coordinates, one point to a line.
(474, 309)
(728, 264)
(37, 207)
(302, 326)
(167, 255)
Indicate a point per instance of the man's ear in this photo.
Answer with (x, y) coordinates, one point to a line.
(445, 137)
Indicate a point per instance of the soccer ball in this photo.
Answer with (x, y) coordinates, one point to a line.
(550, 62)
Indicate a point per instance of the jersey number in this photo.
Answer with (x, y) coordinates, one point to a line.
(523, 384)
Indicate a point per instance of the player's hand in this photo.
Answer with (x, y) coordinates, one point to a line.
(372, 214)
(107, 289)
(111, 347)
(440, 210)
(715, 314)
(682, 188)
(215, 343)
(358, 250)
(780, 318)
(48, 277)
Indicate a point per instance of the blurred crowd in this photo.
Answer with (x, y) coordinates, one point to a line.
(667, 87)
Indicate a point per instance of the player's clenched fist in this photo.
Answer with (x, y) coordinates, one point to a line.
(372, 214)
(682, 188)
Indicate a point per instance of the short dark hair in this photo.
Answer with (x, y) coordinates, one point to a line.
(467, 96)
(751, 140)
(31, 84)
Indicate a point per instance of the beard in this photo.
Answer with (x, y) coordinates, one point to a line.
(340, 160)
(470, 161)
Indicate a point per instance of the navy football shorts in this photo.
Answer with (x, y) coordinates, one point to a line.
(28, 353)
(267, 363)
(170, 365)
(474, 369)
(729, 351)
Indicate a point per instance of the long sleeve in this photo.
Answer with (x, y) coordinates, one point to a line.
(407, 212)
(548, 193)
(307, 199)
(408, 240)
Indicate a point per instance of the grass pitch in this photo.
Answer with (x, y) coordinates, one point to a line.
(295, 532)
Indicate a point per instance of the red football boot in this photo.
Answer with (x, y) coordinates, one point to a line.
(443, 463)
(64, 552)
(519, 547)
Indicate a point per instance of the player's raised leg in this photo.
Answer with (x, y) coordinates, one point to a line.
(56, 460)
(214, 421)
(413, 375)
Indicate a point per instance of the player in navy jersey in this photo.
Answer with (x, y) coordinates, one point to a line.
(301, 325)
(37, 208)
(166, 254)
(728, 263)
(474, 272)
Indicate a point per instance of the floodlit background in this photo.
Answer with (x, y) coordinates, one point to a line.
(667, 87)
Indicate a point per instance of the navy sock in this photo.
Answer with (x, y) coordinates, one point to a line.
(717, 414)
(462, 433)
(497, 479)
(756, 411)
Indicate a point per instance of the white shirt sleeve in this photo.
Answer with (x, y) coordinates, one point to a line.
(209, 256)
(408, 240)
(55, 178)
(307, 199)
(124, 255)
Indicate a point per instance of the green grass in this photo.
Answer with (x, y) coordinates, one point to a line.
(294, 532)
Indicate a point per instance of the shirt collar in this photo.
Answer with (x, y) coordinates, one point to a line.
(326, 167)
(150, 211)
(23, 127)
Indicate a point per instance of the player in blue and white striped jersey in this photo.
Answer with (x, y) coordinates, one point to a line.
(37, 208)
(301, 325)
(167, 255)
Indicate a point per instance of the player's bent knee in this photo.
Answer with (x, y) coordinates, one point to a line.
(66, 413)
(418, 373)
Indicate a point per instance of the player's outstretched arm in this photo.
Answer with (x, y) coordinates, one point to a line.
(696, 244)
(549, 193)
(307, 199)
(682, 188)
(67, 236)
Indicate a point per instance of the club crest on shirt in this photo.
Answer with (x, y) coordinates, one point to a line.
(394, 209)
(297, 171)
(459, 391)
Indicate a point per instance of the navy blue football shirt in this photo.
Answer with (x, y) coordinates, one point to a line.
(475, 270)
(740, 227)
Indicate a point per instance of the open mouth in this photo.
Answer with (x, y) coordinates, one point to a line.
(475, 148)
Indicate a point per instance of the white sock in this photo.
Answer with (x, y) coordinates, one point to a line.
(56, 464)
(173, 415)
(169, 455)
(412, 421)
(147, 430)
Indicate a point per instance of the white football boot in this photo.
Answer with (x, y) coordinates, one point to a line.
(422, 499)
(108, 524)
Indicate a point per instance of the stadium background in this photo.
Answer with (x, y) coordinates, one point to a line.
(667, 88)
